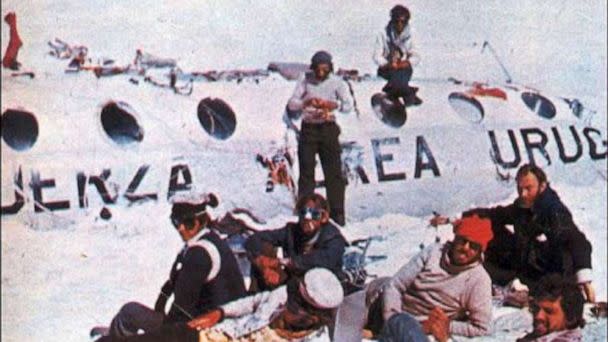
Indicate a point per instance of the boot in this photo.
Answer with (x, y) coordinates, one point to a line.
(411, 99)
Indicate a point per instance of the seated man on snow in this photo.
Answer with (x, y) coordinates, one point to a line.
(289, 312)
(544, 238)
(205, 274)
(311, 242)
(442, 291)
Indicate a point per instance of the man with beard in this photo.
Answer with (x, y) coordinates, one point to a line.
(317, 95)
(442, 291)
(544, 239)
(557, 310)
(311, 242)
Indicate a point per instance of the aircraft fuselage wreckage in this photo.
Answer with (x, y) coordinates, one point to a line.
(72, 141)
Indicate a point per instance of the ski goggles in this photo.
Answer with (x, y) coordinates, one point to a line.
(187, 221)
(310, 214)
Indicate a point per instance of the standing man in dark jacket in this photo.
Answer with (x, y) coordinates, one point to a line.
(205, 274)
(311, 242)
(317, 95)
(544, 238)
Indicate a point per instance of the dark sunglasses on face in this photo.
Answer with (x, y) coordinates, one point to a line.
(187, 221)
(311, 213)
(459, 240)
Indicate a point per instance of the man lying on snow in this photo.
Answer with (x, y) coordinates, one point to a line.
(557, 310)
(443, 290)
(205, 274)
(289, 312)
(544, 238)
(311, 242)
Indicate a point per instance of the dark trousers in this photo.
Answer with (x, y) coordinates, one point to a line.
(402, 328)
(134, 316)
(175, 332)
(322, 139)
(398, 81)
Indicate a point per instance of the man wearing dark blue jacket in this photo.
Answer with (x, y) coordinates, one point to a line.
(311, 242)
(544, 238)
(205, 275)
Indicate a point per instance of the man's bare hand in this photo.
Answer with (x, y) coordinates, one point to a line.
(263, 261)
(403, 64)
(272, 277)
(588, 291)
(321, 103)
(206, 320)
(438, 220)
(438, 325)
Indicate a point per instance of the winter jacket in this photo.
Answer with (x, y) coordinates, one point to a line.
(430, 280)
(571, 335)
(326, 250)
(403, 42)
(546, 240)
(333, 89)
(205, 274)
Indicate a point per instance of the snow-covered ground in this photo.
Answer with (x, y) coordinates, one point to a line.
(64, 273)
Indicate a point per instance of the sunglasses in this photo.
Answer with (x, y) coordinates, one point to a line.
(187, 221)
(311, 213)
(459, 240)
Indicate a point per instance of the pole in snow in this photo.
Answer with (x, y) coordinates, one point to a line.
(498, 60)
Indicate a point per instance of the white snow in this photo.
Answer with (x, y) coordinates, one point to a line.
(64, 272)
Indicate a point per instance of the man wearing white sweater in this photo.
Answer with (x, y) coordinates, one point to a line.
(443, 290)
(395, 56)
(318, 94)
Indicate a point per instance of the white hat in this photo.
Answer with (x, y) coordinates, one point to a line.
(322, 289)
(195, 198)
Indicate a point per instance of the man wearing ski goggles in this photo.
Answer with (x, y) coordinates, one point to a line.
(311, 214)
(311, 242)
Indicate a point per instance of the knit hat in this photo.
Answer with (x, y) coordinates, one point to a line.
(320, 57)
(321, 289)
(191, 205)
(475, 229)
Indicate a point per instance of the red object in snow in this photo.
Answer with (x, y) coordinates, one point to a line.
(480, 90)
(14, 44)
